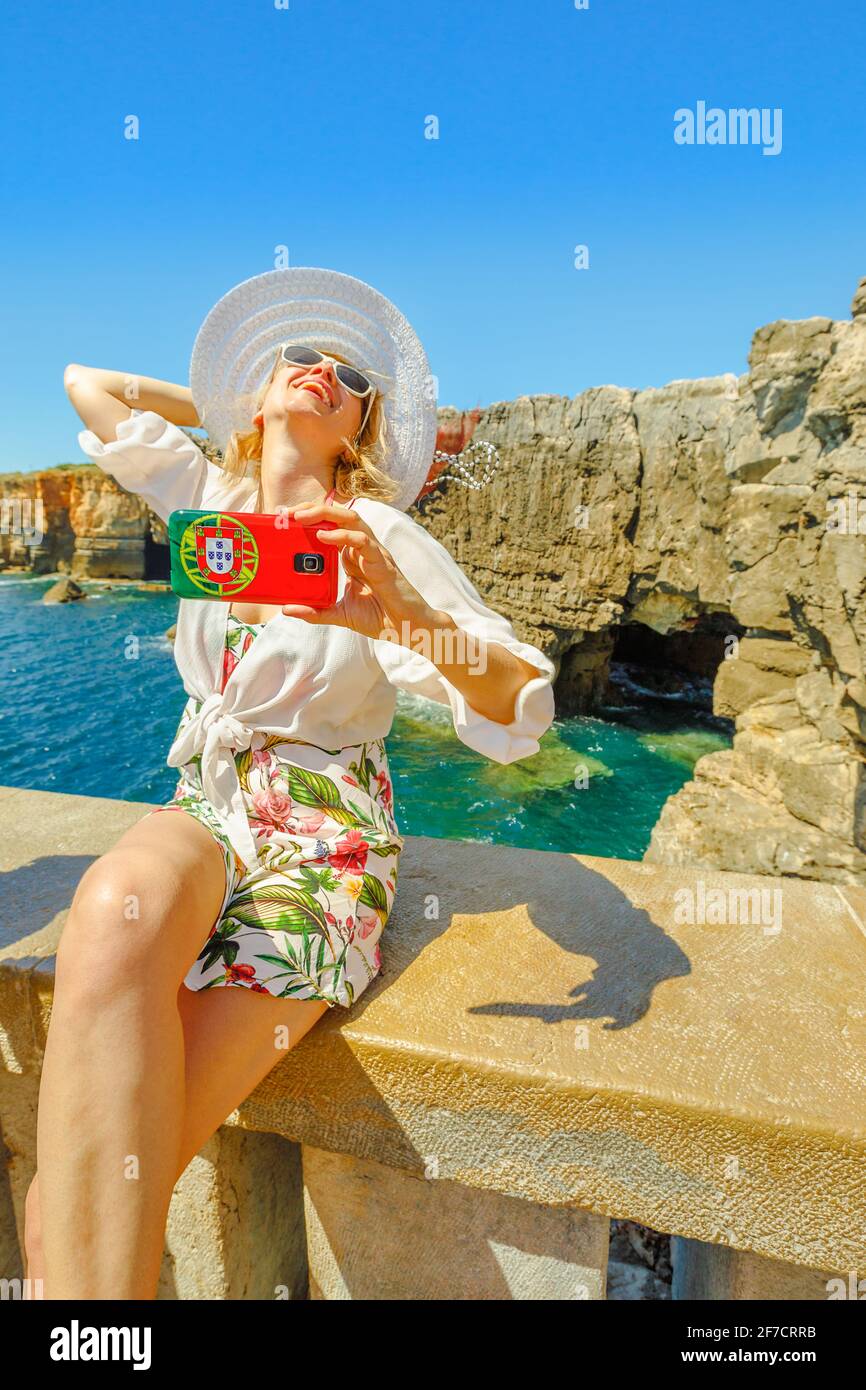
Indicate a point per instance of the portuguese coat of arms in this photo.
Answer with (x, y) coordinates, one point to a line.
(219, 552)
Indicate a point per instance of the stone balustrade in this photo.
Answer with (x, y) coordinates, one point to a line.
(555, 1040)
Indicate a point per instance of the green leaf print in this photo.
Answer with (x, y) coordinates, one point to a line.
(279, 907)
(271, 960)
(373, 895)
(316, 879)
(363, 769)
(217, 950)
(359, 815)
(277, 855)
(299, 963)
(243, 763)
(314, 789)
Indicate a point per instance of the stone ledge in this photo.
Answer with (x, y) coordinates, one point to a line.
(554, 1036)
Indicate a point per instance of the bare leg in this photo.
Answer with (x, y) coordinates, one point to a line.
(113, 1092)
(232, 1039)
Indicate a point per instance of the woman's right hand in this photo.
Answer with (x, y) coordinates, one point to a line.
(104, 398)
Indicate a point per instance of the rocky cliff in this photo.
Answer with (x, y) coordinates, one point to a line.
(76, 521)
(694, 529)
(722, 515)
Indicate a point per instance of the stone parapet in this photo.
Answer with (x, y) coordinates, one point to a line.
(554, 1040)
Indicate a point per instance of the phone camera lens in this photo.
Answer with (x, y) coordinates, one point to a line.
(307, 563)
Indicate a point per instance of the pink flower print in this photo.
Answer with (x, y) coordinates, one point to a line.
(262, 757)
(307, 821)
(377, 957)
(350, 780)
(230, 661)
(273, 810)
(368, 920)
(387, 795)
(350, 853)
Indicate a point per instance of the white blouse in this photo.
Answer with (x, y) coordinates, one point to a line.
(322, 684)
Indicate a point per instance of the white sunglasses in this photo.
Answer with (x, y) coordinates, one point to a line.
(357, 383)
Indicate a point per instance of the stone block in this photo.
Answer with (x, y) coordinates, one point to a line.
(718, 1273)
(375, 1233)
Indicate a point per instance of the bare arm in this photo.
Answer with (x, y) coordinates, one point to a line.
(486, 673)
(103, 398)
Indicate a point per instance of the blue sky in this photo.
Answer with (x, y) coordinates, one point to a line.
(304, 127)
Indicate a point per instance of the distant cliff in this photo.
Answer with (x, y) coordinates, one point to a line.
(682, 531)
(90, 527)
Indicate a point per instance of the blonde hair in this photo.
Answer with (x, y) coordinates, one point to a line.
(360, 470)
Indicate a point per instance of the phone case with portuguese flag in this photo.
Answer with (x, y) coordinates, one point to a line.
(256, 557)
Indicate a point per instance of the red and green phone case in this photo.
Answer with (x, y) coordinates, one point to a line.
(256, 557)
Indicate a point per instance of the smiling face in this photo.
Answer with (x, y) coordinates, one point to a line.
(312, 406)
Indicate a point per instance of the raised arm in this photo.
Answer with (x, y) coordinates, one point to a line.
(104, 398)
(133, 433)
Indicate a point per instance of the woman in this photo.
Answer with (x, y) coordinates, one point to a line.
(221, 927)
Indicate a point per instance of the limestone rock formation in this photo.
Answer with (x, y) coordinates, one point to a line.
(76, 521)
(550, 540)
(789, 797)
(64, 591)
(726, 506)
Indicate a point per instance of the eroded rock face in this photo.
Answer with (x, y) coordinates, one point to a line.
(549, 540)
(549, 536)
(789, 797)
(705, 501)
(74, 520)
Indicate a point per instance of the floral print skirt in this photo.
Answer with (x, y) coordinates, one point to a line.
(305, 922)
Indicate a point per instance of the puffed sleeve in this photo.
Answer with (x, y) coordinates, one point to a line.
(435, 574)
(155, 459)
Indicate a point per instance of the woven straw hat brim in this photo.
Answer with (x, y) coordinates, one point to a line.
(235, 347)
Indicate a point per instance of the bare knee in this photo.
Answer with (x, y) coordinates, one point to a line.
(120, 907)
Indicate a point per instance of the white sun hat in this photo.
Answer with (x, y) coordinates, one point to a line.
(235, 348)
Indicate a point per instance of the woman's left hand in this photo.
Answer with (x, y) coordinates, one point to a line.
(377, 596)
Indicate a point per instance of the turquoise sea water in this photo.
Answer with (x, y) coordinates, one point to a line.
(91, 701)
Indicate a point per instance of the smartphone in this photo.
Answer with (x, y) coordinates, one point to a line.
(259, 557)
